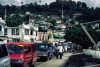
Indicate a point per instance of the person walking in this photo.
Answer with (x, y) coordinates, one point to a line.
(56, 51)
(60, 49)
(65, 48)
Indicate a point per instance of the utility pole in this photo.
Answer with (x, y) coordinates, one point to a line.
(5, 14)
(62, 11)
(83, 27)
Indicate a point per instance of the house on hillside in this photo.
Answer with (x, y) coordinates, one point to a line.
(2, 26)
(23, 32)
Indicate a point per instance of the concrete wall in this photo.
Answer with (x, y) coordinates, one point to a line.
(93, 53)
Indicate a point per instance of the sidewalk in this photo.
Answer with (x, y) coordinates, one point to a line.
(56, 62)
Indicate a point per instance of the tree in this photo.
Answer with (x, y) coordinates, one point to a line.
(14, 21)
(78, 36)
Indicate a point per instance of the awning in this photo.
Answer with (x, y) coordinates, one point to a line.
(58, 36)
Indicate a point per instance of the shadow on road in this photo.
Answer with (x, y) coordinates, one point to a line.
(81, 60)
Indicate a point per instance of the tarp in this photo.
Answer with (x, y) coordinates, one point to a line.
(57, 36)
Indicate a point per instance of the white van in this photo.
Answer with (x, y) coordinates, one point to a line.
(4, 57)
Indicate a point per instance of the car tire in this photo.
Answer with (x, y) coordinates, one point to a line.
(47, 58)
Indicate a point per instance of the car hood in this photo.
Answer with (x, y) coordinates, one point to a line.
(16, 56)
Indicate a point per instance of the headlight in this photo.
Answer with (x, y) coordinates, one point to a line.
(21, 60)
(44, 54)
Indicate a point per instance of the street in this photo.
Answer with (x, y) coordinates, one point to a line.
(69, 60)
(54, 62)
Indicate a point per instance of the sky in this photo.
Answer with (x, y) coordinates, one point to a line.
(90, 3)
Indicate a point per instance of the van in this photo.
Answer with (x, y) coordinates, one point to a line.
(45, 51)
(22, 54)
(4, 57)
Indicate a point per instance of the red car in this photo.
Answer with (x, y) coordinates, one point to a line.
(22, 54)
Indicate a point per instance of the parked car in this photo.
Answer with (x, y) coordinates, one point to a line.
(22, 54)
(45, 51)
(4, 57)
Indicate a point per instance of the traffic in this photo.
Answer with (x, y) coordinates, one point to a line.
(24, 54)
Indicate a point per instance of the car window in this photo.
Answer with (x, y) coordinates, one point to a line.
(42, 47)
(3, 51)
(15, 49)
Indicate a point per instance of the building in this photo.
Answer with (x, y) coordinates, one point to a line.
(2, 26)
(24, 32)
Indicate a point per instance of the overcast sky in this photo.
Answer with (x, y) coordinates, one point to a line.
(90, 3)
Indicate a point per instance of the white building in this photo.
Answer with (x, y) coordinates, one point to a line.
(24, 32)
(2, 26)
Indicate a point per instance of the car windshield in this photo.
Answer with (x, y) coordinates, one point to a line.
(15, 49)
(42, 47)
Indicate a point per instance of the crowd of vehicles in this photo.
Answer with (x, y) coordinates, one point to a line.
(24, 54)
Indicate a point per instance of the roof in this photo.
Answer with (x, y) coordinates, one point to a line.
(2, 21)
(22, 43)
(57, 36)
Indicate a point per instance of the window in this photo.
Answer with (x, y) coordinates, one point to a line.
(0, 28)
(26, 32)
(5, 31)
(15, 31)
(15, 49)
(31, 33)
(36, 33)
(3, 51)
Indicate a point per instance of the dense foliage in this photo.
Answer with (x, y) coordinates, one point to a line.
(55, 8)
(79, 36)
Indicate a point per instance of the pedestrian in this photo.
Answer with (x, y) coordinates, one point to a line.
(49, 51)
(60, 49)
(56, 51)
(65, 47)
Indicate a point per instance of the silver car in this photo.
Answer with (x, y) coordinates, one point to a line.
(4, 57)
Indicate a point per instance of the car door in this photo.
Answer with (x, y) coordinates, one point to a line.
(4, 58)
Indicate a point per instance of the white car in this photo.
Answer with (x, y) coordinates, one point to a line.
(4, 57)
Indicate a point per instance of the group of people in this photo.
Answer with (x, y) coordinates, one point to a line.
(58, 51)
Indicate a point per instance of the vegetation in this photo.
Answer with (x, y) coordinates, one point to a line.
(55, 8)
(79, 36)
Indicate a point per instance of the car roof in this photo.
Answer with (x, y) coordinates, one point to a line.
(1, 42)
(22, 43)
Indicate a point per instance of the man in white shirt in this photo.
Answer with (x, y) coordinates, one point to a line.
(60, 48)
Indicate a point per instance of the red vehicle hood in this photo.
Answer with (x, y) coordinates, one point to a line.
(16, 56)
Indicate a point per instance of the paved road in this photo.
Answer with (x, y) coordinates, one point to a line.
(54, 62)
(69, 60)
